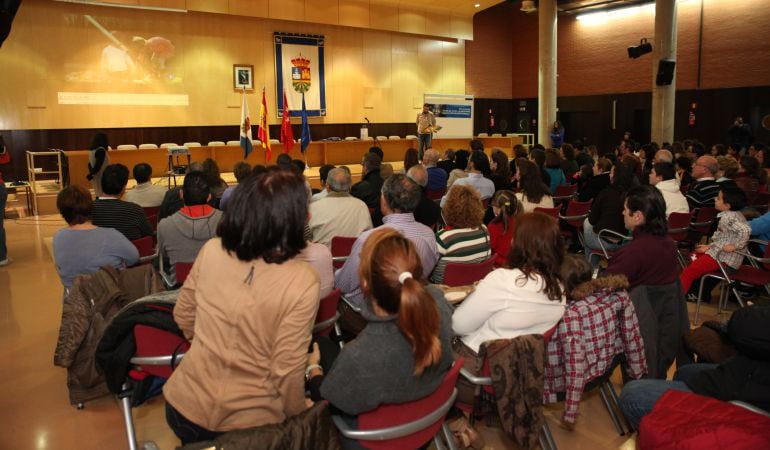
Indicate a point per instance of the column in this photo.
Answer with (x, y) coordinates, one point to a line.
(663, 47)
(546, 74)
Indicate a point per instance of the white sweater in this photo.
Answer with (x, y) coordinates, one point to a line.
(505, 306)
(675, 201)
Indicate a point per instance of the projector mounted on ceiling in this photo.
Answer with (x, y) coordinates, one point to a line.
(528, 6)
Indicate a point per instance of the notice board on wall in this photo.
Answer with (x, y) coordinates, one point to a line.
(454, 114)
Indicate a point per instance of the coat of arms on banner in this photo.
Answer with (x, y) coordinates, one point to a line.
(299, 67)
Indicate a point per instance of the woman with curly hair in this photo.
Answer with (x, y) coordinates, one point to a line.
(525, 297)
(533, 193)
(464, 239)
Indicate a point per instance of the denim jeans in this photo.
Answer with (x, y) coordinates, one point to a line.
(185, 430)
(3, 198)
(424, 140)
(591, 242)
(639, 397)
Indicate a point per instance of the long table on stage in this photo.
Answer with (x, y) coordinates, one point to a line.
(318, 153)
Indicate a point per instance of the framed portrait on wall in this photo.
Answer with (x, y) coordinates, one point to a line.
(243, 76)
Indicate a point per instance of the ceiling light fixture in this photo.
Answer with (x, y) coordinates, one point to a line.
(477, 5)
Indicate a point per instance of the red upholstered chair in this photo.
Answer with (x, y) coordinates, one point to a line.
(463, 274)
(327, 314)
(678, 230)
(146, 247)
(575, 215)
(761, 201)
(435, 194)
(564, 194)
(553, 212)
(341, 247)
(152, 215)
(607, 235)
(181, 270)
(407, 425)
(704, 221)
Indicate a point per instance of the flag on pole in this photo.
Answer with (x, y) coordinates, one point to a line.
(287, 136)
(305, 140)
(245, 128)
(264, 131)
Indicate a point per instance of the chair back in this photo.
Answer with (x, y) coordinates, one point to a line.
(761, 201)
(564, 193)
(704, 219)
(182, 270)
(679, 225)
(748, 185)
(144, 245)
(152, 215)
(435, 194)
(340, 248)
(327, 314)
(397, 414)
(577, 212)
(463, 274)
(553, 212)
(154, 342)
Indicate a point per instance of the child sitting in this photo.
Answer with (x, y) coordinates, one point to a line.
(731, 236)
(505, 208)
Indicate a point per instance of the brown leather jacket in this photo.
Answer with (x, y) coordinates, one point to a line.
(91, 303)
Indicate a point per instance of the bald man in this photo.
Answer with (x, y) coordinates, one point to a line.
(705, 189)
(437, 177)
(664, 156)
(339, 213)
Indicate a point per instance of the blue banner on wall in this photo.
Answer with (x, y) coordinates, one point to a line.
(454, 111)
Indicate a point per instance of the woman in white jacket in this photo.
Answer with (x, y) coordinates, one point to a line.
(526, 297)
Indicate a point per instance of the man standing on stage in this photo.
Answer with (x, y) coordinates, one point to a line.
(426, 121)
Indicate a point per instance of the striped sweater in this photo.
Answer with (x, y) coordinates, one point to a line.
(126, 217)
(460, 245)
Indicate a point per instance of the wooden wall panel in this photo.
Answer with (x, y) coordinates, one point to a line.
(354, 13)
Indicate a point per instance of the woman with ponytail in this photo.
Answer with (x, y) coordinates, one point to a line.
(405, 350)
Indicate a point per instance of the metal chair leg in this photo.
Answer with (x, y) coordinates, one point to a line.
(449, 437)
(125, 406)
(546, 438)
(611, 410)
(616, 406)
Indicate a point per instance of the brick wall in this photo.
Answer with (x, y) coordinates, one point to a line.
(592, 57)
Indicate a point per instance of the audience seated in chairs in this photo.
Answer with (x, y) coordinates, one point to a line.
(533, 193)
(552, 167)
(607, 212)
(338, 213)
(524, 298)
(145, 194)
(181, 236)
(501, 171)
(400, 197)
(745, 377)
(477, 177)
(323, 173)
(731, 237)
(82, 247)
(663, 177)
(447, 162)
(459, 168)
(241, 170)
(464, 239)
(404, 351)
(506, 210)
(109, 211)
(246, 286)
(598, 182)
(368, 189)
(437, 177)
(427, 212)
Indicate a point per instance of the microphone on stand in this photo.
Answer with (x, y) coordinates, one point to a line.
(367, 120)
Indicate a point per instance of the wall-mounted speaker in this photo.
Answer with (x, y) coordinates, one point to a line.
(665, 72)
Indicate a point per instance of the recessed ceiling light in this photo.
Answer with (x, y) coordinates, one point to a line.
(477, 5)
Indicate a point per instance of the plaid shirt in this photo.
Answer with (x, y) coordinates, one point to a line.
(587, 338)
(732, 229)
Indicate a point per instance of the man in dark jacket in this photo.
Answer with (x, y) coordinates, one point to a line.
(368, 189)
(427, 211)
(745, 377)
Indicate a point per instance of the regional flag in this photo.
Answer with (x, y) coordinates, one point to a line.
(287, 136)
(264, 131)
(245, 128)
(305, 140)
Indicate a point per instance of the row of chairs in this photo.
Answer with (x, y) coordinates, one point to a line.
(191, 144)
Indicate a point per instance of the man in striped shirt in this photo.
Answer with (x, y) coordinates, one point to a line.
(400, 197)
(112, 212)
(705, 190)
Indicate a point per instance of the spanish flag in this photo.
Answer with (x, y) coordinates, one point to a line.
(264, 131)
